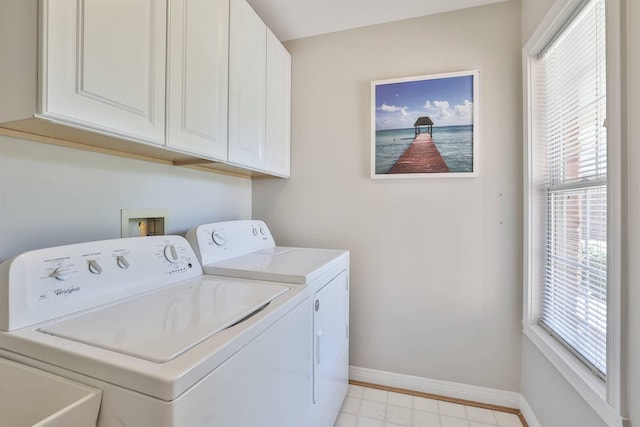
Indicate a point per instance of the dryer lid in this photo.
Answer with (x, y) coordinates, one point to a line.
(278, 264)
(160, 326)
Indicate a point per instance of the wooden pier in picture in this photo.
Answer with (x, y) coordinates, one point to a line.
(422, 156)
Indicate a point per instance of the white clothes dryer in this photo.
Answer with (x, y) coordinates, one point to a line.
(167, 345)
(246, 249)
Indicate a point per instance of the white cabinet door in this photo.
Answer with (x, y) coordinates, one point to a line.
(278, 131)
(247, 86)
(331, 349)
(198, 56)
(103, 66)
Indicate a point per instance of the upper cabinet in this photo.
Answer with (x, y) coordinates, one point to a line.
(197, 76)
(278, 123)
(259, 94)
(103, 66)
(189, 82)
(247, 86)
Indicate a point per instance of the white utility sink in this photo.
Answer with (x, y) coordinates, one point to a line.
(31, 397)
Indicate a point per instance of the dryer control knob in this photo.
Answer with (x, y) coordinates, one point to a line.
(94, 267)
(60, 274)
(171, 254)
(122, 262)
(218, 238)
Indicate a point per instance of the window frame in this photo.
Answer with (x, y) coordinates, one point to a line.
(604, 397)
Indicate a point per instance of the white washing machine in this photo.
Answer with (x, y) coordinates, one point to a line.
(167, 345)
(246, 249)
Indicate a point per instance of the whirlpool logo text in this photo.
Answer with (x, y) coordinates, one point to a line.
(66, 292)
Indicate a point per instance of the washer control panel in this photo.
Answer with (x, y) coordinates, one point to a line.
(222, 240)
(47, 283)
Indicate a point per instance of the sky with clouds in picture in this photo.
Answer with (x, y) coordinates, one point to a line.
(448, 101)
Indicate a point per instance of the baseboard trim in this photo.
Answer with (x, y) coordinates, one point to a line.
(489, 396)
(500, 400)
(528, 414)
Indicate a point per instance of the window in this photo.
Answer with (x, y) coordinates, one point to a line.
(572, 303)
(573, 186)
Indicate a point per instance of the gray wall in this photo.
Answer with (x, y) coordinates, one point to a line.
(533, 11)
(52, 195)
(436, 263)
(549, 395)
(554, 401)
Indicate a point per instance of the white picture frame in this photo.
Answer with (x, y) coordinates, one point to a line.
(425, 126)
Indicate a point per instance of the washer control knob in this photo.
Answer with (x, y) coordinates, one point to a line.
(60, 274)
(171, 254)
(94, 267)
(263, 231)
(218, 238)
(122, 262)
(255, 232)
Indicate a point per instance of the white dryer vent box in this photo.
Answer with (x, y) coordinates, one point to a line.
(30, 397)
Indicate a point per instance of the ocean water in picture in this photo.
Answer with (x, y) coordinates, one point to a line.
(455, 144)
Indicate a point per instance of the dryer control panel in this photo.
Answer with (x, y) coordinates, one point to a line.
(229, 239)
(48, 283)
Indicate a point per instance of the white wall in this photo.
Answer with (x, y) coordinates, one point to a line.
(52, 195)
(436, 263)
(553, 399)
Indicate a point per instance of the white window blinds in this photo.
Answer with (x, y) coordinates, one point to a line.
(572, 99)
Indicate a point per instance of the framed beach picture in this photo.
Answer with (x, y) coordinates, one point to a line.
(425, 126)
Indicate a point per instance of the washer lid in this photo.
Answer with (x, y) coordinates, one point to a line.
(160, 326)
(278, 264)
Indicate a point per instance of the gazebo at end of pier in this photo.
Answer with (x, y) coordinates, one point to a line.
(421, 122)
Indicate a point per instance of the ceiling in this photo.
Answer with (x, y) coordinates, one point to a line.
(294, 19)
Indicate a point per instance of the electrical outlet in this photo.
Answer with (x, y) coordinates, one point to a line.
(144, 222)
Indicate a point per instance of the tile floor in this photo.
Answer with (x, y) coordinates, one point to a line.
(369, 407)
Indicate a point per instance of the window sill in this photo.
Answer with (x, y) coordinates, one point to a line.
(591, 388)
